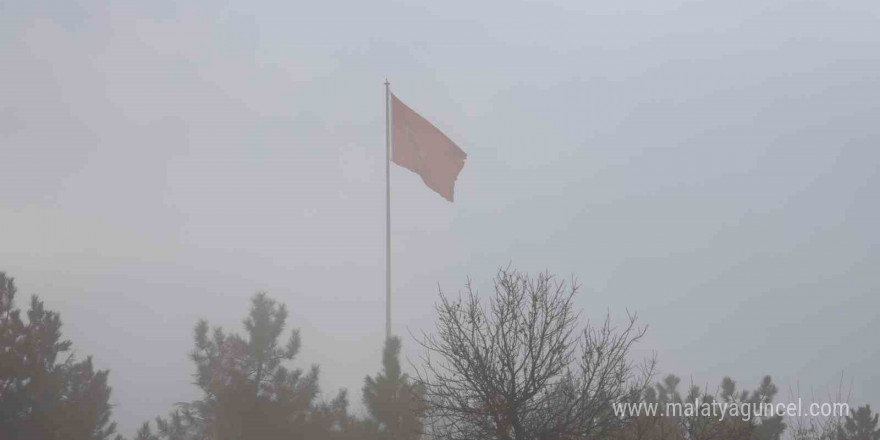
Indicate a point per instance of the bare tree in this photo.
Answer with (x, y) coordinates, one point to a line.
(522, 368)
(817, 427)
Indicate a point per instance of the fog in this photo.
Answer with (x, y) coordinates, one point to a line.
(712, 166)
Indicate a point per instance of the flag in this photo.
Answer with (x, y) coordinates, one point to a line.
(420, 147)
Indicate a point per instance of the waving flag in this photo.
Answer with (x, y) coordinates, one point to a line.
(417, 145)
(420, 147)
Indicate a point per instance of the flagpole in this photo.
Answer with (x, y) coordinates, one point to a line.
(387, 211)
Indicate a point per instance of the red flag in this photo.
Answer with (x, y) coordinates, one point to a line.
(420, 147)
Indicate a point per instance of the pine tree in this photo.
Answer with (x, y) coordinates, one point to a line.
(697, 426)
(41, 395)
(394, 402)
(248, 391)
(862, 425)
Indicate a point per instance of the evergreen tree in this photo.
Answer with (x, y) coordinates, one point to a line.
(248, 392)
(41, 395)
(699, 426)
(394, 402)
(862, 425)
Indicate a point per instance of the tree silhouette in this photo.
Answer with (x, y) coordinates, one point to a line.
(861, 425)
(700, 426)
(393, 401)
(523, 369)
(248, 392)
(41, 395)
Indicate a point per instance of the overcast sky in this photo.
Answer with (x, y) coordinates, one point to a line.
(713, 166)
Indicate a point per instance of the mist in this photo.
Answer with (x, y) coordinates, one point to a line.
(713, 167)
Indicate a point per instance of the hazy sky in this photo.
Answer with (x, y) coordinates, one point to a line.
(714, 166)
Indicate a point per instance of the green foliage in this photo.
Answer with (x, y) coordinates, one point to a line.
(705, 426)
(394, 402)
(248, 391)
(40, 396)
(251, 392)
(861, 425)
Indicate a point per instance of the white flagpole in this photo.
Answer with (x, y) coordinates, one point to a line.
(387, 211)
